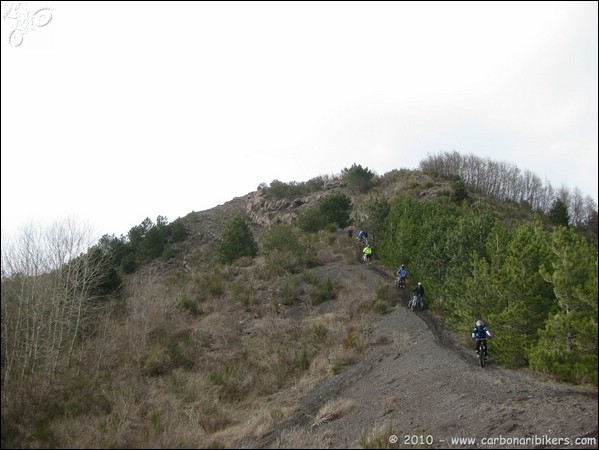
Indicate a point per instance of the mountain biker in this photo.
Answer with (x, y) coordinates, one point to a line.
(350, 231)
(419, 290)
(479, 332)
(363, 235)
(402, 273)
(419, 293)
(367, 251)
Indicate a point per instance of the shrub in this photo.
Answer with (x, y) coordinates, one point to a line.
(238, 240)
(358, 178)
(460, 193)
(129, 264)
(178, 232)
(558, 215)
(290, 291)
(279, 190)
(323, 292)
(188, 303)
(378, 208)
(312, 220)
(283, 238)
(334, 208)
(167, 253)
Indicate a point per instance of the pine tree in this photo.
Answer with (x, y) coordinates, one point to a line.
(558, 214)
(237, 241)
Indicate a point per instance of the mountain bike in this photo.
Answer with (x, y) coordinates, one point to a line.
(400, 282)
(482, 350)
(416, 303)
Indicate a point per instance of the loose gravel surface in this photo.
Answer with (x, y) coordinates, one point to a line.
(420, 382)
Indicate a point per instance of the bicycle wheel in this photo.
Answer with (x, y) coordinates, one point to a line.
(481, 354)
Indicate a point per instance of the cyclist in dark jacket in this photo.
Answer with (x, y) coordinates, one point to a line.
(419, 290)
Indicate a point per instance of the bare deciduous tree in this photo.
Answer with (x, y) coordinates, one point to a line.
(506, 182)
(48, 280)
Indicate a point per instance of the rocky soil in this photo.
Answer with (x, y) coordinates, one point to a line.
(423, 384)
(420, 382)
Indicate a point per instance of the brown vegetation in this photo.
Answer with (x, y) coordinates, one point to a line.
(196, 355)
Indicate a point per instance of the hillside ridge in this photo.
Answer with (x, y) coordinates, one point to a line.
(419, 381)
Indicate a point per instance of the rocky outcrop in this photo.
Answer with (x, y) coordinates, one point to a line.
(266, 212)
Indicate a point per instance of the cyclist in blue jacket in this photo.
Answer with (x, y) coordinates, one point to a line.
(479, 332)
(402, 274)
(363, 235)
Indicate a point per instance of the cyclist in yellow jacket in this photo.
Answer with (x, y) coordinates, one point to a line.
(366, 254)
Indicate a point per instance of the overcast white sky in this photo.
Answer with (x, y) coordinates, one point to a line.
(114, 112)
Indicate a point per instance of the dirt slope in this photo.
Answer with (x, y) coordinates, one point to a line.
(419, 382)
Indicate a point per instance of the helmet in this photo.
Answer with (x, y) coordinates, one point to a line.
(479, 323)
(419, 283)
(402, 266)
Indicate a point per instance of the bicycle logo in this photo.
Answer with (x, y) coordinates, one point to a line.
(25, 21)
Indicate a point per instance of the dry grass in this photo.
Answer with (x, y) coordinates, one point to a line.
(379, 437)
(332, 410)
(200, 358)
